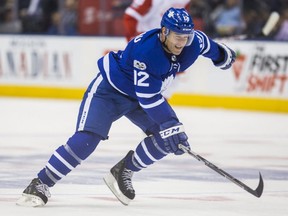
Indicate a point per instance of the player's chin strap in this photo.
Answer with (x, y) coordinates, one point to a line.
(165, 39)
(165, 46)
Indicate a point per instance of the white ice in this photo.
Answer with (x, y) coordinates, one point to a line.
(241, 143)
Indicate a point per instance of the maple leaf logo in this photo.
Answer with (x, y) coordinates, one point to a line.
(238, 65)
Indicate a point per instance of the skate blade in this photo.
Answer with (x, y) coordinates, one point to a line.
(29, 200)
(113, 186)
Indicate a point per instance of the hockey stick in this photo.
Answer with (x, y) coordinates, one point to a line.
(265, 31)
(270, 24)
(257, 192)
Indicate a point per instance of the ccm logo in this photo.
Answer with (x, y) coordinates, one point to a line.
(171, 131)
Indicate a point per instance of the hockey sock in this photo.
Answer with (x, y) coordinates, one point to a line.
(68, 156)
(150, 150)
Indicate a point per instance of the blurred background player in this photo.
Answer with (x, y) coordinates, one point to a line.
(144, 15)
(227, 19)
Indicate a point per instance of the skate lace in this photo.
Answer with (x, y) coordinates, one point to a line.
(127, 175)
(44, 189)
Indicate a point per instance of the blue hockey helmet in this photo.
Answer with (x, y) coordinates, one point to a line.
(179, 21)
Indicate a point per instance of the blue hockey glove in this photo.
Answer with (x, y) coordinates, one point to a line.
(173, 136)
(229, 57)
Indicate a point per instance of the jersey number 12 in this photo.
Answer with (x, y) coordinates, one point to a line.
(140, 77)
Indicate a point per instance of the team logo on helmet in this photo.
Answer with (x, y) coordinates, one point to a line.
(171, 14)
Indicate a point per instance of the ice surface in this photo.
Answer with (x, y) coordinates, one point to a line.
(241, 143)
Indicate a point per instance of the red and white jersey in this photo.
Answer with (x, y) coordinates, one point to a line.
(144, 15)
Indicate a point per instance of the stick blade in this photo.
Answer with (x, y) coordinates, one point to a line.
(259, 189)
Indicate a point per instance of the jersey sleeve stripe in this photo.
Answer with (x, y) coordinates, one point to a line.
(144, 95)
(148, 106)
(204, 41)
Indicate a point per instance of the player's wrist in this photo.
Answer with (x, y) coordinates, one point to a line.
(170, 123)
(227, 57)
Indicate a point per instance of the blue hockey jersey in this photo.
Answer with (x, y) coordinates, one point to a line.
(144, 69)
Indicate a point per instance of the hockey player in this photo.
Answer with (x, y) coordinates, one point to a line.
(144, 15)
(129, 84)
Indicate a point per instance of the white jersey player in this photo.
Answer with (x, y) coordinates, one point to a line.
(144, 15)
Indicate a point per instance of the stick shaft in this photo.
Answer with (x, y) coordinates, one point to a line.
(257, 192)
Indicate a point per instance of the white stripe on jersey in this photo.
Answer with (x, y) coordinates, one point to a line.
(148, 106)
(144, 95)
(107, 71)
(204, 41)
(88, 102)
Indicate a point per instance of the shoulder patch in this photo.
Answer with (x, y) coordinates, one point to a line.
(139, 65)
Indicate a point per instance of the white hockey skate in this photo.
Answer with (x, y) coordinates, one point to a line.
(119, 181)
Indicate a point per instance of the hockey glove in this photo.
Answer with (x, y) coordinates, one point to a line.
(173, 136)
(228, 56)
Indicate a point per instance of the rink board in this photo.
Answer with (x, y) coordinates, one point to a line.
(62, 67)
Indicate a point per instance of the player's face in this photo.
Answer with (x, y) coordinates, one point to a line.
(176, 42)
